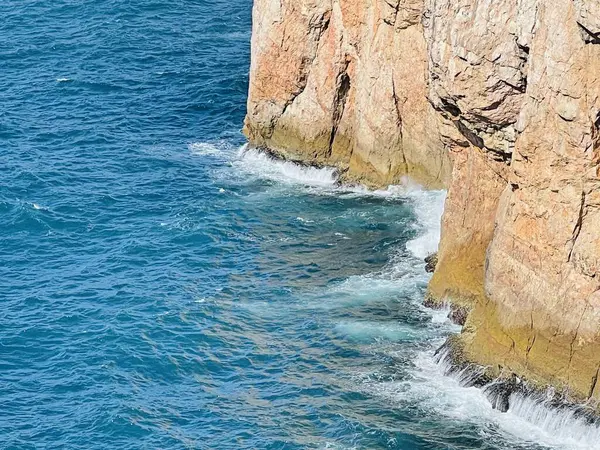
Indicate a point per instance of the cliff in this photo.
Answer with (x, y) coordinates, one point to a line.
(499, 101)
(345, 84)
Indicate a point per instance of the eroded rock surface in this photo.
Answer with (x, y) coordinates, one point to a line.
(344, 83)
(499, 100)
(543, 267)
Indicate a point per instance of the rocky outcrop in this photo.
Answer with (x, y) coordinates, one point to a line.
(497, 100)
(478, 79)
(521, 243)
(344, 83)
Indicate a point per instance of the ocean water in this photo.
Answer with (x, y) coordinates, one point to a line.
(163, 287)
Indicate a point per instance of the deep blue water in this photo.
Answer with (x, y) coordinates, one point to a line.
(160, 288)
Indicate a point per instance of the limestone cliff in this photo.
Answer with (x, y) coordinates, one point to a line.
(343, 83)
(499, 100)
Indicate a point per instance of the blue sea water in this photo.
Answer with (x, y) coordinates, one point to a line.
(161, 287)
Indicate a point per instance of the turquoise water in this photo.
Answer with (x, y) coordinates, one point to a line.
(163, 288)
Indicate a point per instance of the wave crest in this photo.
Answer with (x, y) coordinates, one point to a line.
(263, 165)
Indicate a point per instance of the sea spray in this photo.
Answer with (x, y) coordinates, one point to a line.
(568, 423)
(428, 207)
(524, 411)
(263, 165)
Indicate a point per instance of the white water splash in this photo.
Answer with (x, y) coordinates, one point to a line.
(562, 425)
(402, 277)
(428, 205)
(264, 166)
(429, 208)
(365, 332)
(441, 316)
(203, 149)
(528, 419)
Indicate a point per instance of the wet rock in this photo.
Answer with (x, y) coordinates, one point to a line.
(459, 314)
(499, 391)
(431, 261)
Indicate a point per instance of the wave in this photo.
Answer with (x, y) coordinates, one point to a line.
(429, 208)
(441, 316)
(429, 391)
(428, 204)
(264, 166)
(528, 418)
(561, 424)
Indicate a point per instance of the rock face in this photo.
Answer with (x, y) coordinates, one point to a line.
(499, 101)
(344, 83)
(543, 264)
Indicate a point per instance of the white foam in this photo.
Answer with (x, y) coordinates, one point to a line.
(528, 421)
(264, 166)
(303, 220)
(401, 277)
(39, 207)
(324, 181)
(203, 149)
(429, 208)
(374, 331)
(406, 190)
(63, 80)
(441, 316)
(560, 424)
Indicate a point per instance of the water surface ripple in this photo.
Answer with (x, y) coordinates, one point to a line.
(160, 289)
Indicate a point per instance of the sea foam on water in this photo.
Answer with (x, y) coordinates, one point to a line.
(434, 386)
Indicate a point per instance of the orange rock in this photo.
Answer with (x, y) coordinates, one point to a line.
(497, 100)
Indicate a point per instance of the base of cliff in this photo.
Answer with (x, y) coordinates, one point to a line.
(502, 363)
(508, 392)
(352, 164)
